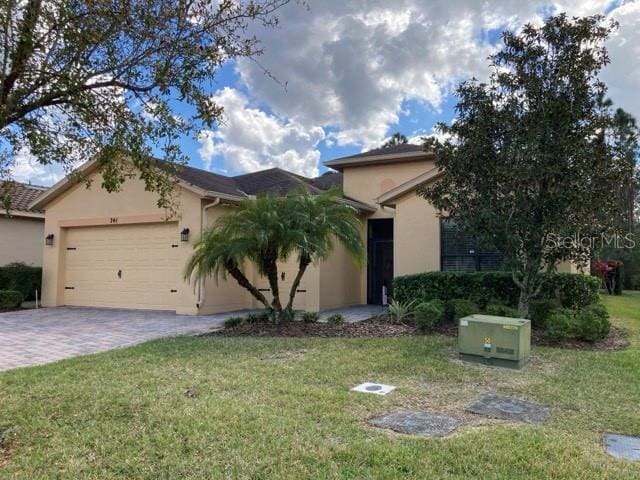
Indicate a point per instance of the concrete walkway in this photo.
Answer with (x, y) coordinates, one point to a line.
(355, 313)
(34, 337)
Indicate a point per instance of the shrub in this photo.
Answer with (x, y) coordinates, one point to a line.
(539, 312)
(23, 278)
(592, 323)
(561, 325)
(500, 310)
(310, 317)
(429, 315)
(10, 299)
(461, 308)
(400, 311)
(258, 317)
(335, 320)
(570, 290)
(232, 322)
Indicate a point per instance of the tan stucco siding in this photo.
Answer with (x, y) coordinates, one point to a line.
(367, 183)
(416, 236)
(223, 295)
(84, 207)
(340, 280)
(308, 295)
(21, 240)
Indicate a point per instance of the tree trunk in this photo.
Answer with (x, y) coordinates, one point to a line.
(270, 268)
(236, 273)
(528, 280)
(302, 266)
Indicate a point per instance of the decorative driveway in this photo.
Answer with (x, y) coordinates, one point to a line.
(32, 337)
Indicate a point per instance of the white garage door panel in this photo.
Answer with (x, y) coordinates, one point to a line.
(142, 253)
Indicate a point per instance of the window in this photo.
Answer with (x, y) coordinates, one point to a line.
(462, 253)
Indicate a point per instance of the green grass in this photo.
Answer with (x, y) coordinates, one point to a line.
(281, 408)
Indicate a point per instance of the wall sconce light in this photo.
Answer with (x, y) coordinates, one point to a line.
(48, 240)
(184, 235)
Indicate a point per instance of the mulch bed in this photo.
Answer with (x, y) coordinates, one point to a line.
(368, 328)
(378, 327)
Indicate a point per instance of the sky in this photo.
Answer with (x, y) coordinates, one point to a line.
(347, 74)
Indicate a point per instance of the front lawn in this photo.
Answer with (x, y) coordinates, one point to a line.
(215, 407)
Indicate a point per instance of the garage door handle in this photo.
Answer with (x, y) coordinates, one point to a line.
(69, 288)
(119, 273)
(173, 291)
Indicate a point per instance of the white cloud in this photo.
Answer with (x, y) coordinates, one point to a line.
(352, 65)
(249, 139)
(26, 168)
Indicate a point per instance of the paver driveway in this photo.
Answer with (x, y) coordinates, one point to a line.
(31, 337)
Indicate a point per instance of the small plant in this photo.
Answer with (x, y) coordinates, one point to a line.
(258, 317)
(561, 325)
(310, 317)
(592, 323)
(232, 322)
(10, 299)
(429, 315)
(500, 310)
(400, 311)
(335, 320)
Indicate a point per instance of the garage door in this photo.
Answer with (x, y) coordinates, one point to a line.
(128, 266)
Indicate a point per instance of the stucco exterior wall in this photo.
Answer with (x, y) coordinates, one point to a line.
(416, 236)
(223, 295)
(340, 279)
(21, 240)
(94, 206)
(366, 183)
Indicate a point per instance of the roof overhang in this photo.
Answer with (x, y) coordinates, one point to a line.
(341, 163)
(22, 214)
(89, 167)
(390, 198)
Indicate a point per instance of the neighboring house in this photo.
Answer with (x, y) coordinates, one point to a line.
(120, 250)
(21, 229)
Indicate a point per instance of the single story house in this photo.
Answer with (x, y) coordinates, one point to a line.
(21, 228)
(120, 250)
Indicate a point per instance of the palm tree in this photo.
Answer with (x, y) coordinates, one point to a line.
(396, 139)
(268, 230)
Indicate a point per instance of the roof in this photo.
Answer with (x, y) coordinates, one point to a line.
(404, 152)
(273, 180)
(209, 184)
(208, 181)
(328, 180)
(22, 196)
(389, 198)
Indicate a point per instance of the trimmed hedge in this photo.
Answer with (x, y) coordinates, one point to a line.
(10, 299)
(23, 278)
(569, 290)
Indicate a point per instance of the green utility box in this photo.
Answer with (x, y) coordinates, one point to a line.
(500, 341)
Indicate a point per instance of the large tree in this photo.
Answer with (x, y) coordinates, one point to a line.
(396, 139)
(80, 79)
(270, 229)
(530, 163)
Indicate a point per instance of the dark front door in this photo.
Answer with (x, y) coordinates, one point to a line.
(380, 259)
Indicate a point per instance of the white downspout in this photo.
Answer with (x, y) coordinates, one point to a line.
(201, 285)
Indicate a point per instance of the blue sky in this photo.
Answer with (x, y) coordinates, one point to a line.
(360, 70)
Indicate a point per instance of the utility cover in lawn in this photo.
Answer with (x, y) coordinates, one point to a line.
(507, 408)
(422, 423)
(376, 388)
